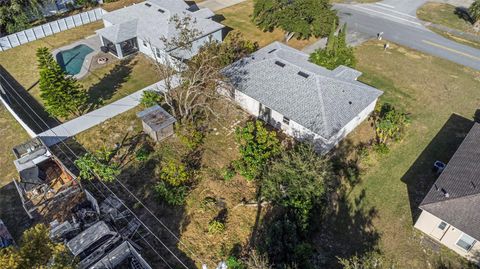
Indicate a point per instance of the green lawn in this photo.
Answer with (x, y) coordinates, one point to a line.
(105, 85)
(11, 210)
(238, 17)
(447, 15)
(431, 89)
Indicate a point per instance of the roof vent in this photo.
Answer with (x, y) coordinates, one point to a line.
(148, 4)
(445, 193)
(161, 10)
(303, 74)
(279, 63)
(349, 102)
(272, 51)
(473, 185)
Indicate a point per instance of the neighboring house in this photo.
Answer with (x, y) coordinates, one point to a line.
(142, 27)
(54, 7)
(450, 210)
(279, 85)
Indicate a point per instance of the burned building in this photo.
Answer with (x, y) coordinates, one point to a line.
(43, 179)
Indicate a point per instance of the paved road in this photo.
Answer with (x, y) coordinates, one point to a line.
(89, 120)
(396, 19)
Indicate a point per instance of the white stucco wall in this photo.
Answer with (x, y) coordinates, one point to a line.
(428, 224)
(298, 131)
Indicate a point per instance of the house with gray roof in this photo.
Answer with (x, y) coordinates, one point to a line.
(450, 210)
(145, 26)
(279, 85)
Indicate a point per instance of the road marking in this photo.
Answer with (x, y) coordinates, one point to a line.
(450, 49)
(398, 18)
(385, 5)
(398, 12)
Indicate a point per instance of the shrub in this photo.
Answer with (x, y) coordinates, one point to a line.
(228, 173)
(234, 263)
(172, 195)
(381, 149)
(150, 98)
(142, 154)
(190, 136)
(257, 147)
(215, 227)
(174, 173)
(389, 123)
(90, 166)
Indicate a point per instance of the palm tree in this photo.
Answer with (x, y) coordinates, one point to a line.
(474, 12)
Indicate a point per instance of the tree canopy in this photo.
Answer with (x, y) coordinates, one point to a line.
(62, 94)
(15, 15)
(474, 12)
(336, 52)
(302, 18)
(37, 250)
(298, 181)
(257, 146)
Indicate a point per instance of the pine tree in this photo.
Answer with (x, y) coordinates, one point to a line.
(62, 94)
(336, 52)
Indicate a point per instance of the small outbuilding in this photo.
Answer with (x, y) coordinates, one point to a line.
(157, 122)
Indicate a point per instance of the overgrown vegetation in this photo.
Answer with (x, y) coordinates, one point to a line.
(150, 98)
(336, 52)
(300, 19)
(474, 12)
(37, 250)
(98, 165)
(257, 146)
(61, 93)
(389, 123)
(15, 15)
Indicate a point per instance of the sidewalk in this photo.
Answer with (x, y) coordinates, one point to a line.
(216, 5)
(91, 119)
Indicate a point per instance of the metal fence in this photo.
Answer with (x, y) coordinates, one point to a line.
(47, 29)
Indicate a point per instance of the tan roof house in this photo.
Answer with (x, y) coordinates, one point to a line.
(450, 210)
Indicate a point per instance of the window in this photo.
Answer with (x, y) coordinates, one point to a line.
(442, 225)
(466, 242)
(286, 120)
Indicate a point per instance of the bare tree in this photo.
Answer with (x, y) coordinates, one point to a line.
(190, 80)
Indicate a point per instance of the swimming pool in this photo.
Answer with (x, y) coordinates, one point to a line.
(71, 60)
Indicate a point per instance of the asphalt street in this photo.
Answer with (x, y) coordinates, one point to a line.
(397, 20)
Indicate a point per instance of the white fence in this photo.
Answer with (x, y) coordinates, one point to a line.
(47, 29)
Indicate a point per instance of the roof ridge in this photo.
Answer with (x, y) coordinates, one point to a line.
(322, 107)
(452, 199)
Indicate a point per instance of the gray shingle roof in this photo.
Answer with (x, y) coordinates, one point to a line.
(461, 180)
(156, 117)
(150, 21)
(283, 79)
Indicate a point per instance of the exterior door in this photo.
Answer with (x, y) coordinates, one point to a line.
(265, 113)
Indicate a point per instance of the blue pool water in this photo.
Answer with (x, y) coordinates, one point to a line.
(71, 60)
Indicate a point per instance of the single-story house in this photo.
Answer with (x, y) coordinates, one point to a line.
(450, 210)
(143, 27)
(54, 7)
(279, 85)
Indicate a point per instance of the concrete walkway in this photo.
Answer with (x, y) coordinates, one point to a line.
(215, 5)
(91, 119)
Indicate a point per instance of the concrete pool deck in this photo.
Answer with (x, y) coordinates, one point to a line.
(93, 42)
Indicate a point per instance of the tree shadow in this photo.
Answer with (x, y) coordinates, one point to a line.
(110, 83)
(24, 105)
(138, 180)
(12, 212)
(420, 176)
(462, 13)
